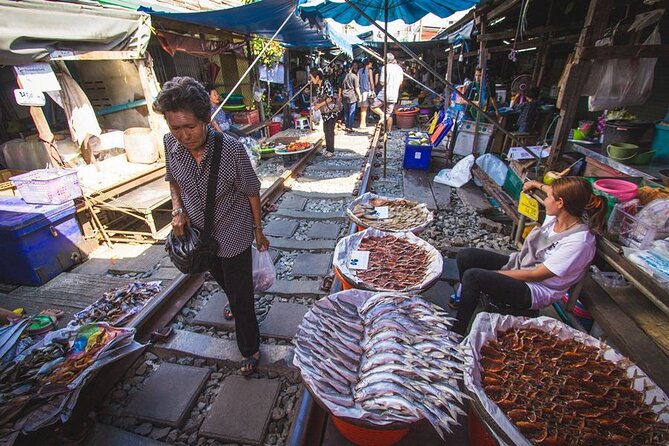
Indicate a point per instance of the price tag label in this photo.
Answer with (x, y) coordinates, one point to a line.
(29, 98)
(358, 260)
(528, 206)
(381, 211)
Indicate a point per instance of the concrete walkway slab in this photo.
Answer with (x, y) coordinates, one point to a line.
(417, 188)
(328, 231)
(242, 410)
(450, 270)
(156, 402)
(472, 196)
(301, 245)
(307, 215)
(312, 265)
(439, 294)
(104, 435)
(293, 202)
(283, 319)
(211, 315)
(188, 343)
(281, 228)
(297, 288)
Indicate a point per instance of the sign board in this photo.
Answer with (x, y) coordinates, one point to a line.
(528, 207)
(381, 212)
(37, 77)
(358, 260)
(518, 153)
(29, 98)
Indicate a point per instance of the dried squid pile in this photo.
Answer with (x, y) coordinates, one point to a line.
(403, 215)
(565, 393)
(394, 263)
(117, 306)
(390, 359)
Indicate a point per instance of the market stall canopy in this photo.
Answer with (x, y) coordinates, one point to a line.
(263, 18)
(463, 33)
(31, 30)
(409, 11)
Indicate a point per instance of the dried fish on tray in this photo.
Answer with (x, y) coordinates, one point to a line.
(381, 358)
(540, 382)
(396, 261)
(117, 306)
(41, 385)
(403, 215)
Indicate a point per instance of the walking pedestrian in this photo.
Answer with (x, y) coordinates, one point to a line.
(366, 76)
(350, 94)
(189, 149)
(325, 99)
(392, 90)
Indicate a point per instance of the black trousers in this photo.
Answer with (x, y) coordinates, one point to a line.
(477, 268)
(235, 276)
(329, 130)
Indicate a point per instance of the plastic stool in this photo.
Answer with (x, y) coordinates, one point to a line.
(301, 122)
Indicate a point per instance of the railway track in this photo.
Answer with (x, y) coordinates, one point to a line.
(304, 216)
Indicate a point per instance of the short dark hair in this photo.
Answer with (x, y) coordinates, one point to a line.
(184, 94)
(210, 87)
(478, 69)
(317, 72)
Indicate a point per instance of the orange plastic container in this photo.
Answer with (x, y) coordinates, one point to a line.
(478, 435)
(364, 436)
(345, 285)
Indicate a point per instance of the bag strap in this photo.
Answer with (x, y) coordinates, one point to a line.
(211, 186)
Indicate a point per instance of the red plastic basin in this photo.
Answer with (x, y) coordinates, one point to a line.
(621, 189)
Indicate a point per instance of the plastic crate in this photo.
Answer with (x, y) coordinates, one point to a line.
(464, 144)
(630, 230)
(48, 186)
(417, 157)
(248, 117)
(513, 185)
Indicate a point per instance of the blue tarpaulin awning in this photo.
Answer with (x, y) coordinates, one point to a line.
(261, 18)
(409, 11)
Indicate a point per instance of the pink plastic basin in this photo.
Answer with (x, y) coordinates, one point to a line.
(621, 189)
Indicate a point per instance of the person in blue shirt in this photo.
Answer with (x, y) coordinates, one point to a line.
(221, 122)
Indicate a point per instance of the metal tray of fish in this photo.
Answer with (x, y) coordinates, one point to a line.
(381, 359)
(403, 215)
(539, 381)
(398, 261)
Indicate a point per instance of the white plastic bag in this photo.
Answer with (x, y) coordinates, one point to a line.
(264, 273)
(459, 175)
(493, 166)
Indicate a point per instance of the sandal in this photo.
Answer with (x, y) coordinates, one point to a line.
(250, 364)
(227, 313)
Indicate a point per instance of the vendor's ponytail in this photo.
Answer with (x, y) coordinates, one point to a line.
(579, 201)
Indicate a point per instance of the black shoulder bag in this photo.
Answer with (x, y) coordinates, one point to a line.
(196, 253)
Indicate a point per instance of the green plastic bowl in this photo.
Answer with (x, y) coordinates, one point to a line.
(622, 152)
(643, 158)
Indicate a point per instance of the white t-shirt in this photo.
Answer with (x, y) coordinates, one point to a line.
(568, 260)
(395, 76)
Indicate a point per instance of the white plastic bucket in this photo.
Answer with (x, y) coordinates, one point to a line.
(139, 146)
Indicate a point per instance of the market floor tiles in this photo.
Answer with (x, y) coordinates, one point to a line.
(328, 231)
(156, 404)
(211, 315)
(283, 319)
(104, 435)
(281, 228)
(124, 258)
(242, 410)
(293, 202)
(315, 265)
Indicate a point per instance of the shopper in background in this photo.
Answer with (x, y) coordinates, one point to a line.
(220, 121)
(392, 90)
(349, 93)
(554, 256)
(324, 96)
(366, 76)
(189, 149)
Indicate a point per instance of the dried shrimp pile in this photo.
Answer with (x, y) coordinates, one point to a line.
(117, 306)
(393, 359)
(394, 263)
(403, 215)
(563, 392)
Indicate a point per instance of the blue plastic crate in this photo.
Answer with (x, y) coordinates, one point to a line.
(38, 241)
(416, 156)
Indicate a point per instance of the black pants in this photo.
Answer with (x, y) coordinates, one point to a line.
(235, 276)
(478, 275)
(329, 130)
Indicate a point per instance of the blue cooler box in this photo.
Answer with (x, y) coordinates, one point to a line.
(37, 241)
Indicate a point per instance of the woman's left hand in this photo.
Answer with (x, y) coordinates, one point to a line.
(261, 241)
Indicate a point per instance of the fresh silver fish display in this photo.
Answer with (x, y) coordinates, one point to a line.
(386, 358)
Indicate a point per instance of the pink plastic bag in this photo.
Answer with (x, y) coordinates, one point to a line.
(264, 273)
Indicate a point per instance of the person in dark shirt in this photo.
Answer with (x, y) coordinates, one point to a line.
(528, 111)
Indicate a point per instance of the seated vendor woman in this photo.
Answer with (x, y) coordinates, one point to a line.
(554, 255)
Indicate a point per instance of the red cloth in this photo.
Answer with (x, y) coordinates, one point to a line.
(172, 43)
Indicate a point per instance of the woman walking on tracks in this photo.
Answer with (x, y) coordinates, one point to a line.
(189, 148)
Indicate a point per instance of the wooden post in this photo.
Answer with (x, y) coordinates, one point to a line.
(449, 75)
(44, 131)
(150, 87)
(483, 62)
(575, 75)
